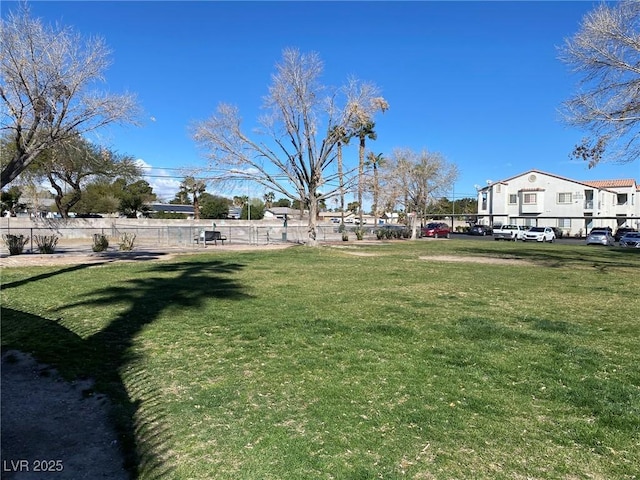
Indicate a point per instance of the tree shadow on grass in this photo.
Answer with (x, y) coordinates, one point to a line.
(43, 276)
(107, 356)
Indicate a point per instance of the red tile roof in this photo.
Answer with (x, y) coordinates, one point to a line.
(621, 183)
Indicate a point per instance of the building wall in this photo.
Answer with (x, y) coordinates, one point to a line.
(538, 198)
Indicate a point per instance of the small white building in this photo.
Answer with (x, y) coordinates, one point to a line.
(536, 198)
(281, 212)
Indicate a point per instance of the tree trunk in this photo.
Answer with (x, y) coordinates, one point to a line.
(341, 180)
(375, 195)
(313, 214)
(65, 207)
(414, 223)
(361, 175)
(196, 207)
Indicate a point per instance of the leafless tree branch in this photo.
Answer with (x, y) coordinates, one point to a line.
(48, 86)
(298, 137)
(605, 52)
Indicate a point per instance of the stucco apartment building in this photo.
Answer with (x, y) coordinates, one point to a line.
(536, 198)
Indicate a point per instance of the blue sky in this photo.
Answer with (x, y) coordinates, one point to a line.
(478, 82)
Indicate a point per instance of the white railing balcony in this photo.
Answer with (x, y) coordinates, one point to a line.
(526, 208)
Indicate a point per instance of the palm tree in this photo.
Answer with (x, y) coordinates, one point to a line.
(269, 197)
(363, 130)
(343, 137)
(375, 161)
(194, 187)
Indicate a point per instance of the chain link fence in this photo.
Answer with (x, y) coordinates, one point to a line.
(184, 236)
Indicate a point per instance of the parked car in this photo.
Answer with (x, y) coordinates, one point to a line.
(509, 232)
(436, 229)
(620, 232)
(630, 240)
(539, 234)
(480, 230)
(598, 229)
(600, 237)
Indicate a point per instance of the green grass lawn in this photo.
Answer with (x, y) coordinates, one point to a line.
(370, 361)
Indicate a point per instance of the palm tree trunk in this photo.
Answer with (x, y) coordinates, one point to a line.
(361, 175)
(196, 207)
(375, 194)
(341, 180)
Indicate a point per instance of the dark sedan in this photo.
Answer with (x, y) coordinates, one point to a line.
(480, 230)
(630, 240)
(622, 231)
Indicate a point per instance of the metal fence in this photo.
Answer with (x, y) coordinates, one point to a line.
(179, 235)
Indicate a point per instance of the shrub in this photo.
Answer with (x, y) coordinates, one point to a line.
(46, 243)
(15, 243)
(126, 241)
(359, 233)
(345, 236)
(100, 242)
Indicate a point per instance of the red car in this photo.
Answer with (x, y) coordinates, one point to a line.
(435, 230)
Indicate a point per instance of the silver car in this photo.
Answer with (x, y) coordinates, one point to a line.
(630, 240)
(600, 237)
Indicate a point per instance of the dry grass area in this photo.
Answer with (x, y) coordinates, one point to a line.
(469, 259)
(349, 250)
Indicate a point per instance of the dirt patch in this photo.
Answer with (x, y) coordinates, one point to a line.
(486, 260)
(49, 428)
(361, 254)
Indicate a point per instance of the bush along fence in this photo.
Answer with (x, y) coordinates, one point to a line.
(45, 244)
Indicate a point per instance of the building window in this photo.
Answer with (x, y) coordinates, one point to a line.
(564, 222)
(622, 198)
(484, 200)
(530, 198)
(513, 199)
(565, 197)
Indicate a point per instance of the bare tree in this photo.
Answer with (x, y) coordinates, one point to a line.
(415, 180)
(296, 146)
(606, 53)
(47, 81)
